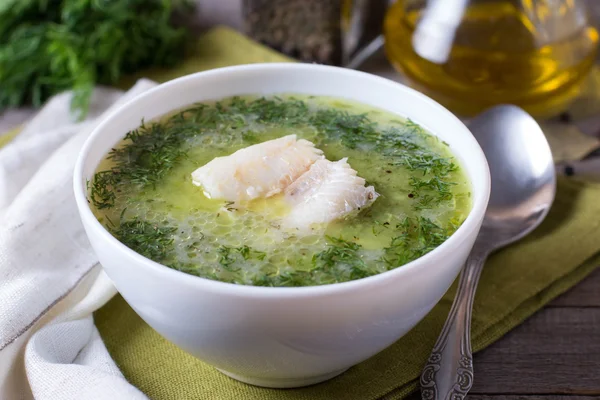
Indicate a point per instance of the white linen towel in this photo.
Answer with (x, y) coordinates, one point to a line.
(50, 279)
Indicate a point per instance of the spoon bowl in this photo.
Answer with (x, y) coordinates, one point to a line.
(522, 172)
(522, 192)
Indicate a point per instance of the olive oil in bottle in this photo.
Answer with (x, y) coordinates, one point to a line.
(473, 54)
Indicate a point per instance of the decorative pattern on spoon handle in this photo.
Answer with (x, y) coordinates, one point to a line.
(448, 374)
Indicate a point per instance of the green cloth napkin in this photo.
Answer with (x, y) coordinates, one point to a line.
(516, 282)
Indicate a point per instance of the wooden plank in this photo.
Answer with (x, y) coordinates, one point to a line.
(585, 294)
(557, 351)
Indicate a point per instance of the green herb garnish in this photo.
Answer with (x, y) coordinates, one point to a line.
(145, 238)
(151, 152)
(430, 192)
(342, 258)
(49, 46)
(153, 149)
(248, 253)
(102, 192)
(228, 256)
(416, 237)
(148, 155)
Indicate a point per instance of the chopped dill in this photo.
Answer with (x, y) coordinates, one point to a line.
(430, 192)
(248, 253)
(102, 193)
(145, 238)
(340, 261)
(343, 257)
(426, 162)
(229, 206)
(352, 129)
(416, 237)
(152, 150)
(228, 256)
(412, 162)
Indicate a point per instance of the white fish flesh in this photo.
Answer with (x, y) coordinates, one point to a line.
(327, 191)
(260, 170)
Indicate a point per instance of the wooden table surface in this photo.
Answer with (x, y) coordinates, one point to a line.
(555, 354)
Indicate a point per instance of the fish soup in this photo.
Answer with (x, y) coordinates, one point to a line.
(281, 191)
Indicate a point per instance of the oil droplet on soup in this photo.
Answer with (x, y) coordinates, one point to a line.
(144, 195)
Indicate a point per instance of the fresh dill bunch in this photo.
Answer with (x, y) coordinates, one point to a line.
(49, 46)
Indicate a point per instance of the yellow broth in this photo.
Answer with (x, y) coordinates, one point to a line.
(143, 193)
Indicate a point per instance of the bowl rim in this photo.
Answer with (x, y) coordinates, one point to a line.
(89, 220)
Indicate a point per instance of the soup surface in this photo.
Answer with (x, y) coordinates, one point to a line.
(144, 195)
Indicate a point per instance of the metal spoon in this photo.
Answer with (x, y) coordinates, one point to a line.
(523, 188)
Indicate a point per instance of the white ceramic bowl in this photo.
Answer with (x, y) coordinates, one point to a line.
(283, 337)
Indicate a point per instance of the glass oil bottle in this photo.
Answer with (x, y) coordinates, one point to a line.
(473, 54)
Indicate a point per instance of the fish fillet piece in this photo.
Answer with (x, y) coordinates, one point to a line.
(260, 170)
(327, 191)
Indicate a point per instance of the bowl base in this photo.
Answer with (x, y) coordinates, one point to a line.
(282, 383)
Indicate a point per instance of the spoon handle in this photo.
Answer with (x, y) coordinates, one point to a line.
(448, 374)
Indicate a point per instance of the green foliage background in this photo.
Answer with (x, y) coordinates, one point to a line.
(48, 46)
